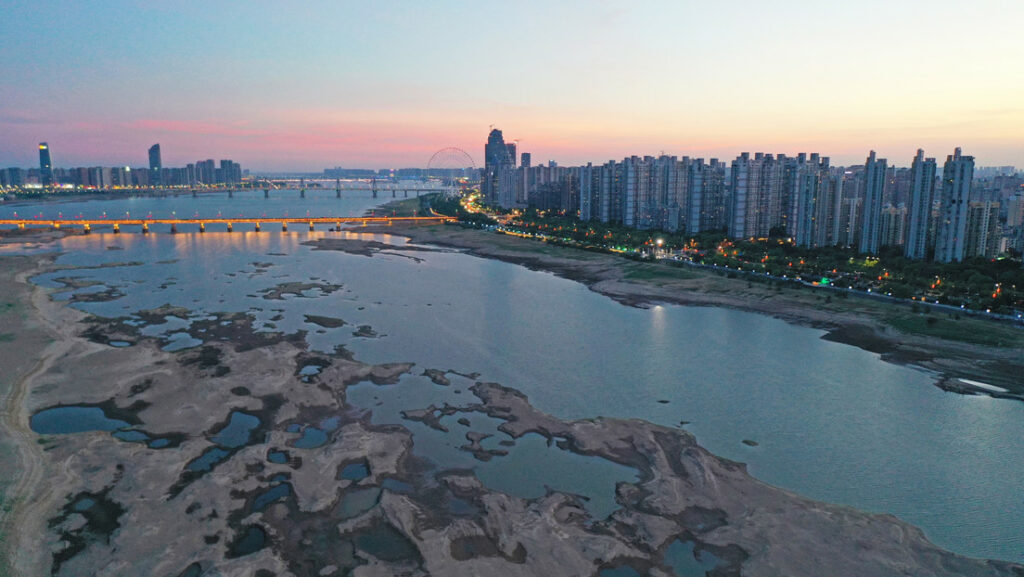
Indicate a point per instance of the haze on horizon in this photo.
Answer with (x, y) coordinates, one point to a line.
(371, 85)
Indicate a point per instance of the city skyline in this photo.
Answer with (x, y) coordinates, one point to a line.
(386, 86)
(147, 160)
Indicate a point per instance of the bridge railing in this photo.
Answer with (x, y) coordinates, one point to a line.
(87, 224)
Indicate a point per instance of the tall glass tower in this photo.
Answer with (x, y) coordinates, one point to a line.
(496, 157)
(155, 166)
(45, 165)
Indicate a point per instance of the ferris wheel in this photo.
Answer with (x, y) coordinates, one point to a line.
(453, 167)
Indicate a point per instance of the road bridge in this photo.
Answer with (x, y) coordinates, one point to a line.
(87, 224)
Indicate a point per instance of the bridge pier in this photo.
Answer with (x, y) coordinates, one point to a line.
(393, 193)
(337, 193)
(202, 227)
(230, 227)
(193, 193)
(174, 228)
(231, 194)
(266, 193)
(407, 194)
(145, 228)
(302, 193)
(257, 227)
(21, 225)
(310, 226)
(85, 228)
(284, 226)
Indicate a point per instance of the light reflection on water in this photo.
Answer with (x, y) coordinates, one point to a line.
(832, 421)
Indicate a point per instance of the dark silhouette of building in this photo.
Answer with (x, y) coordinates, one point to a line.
(496, 156)
(45, 165)
(155, 166)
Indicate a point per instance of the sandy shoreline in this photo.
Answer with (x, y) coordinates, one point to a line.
(42, 332)
(856, 321)
(170, 518)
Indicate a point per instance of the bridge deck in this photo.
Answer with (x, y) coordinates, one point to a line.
(310, 220)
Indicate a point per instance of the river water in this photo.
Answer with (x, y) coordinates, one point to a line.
(831, 421)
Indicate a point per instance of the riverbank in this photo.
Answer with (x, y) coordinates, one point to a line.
(228, 479)
(29, 341)
(952, 346)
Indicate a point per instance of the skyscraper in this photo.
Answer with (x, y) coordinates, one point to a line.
(922, 194)
(155, 165)
(951, 230)
(496, 156)
(871, 221)
(45, 165)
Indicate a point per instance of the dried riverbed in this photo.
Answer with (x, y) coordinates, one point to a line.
(244, 455)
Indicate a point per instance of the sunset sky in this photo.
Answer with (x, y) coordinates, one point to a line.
(304, 86)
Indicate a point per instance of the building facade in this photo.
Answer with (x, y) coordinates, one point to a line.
(951, 229)
(922, 196)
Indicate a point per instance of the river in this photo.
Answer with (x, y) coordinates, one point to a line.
(830, 421)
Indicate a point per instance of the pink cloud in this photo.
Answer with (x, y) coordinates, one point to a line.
(194, 127)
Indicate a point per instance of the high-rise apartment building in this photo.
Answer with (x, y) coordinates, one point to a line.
(951, 229)
(810, 198)
(713, 209)
(743, 204)
(206, 171)
(693, 201)
(230, 172)
(15, 176)
(609, 199)
(45, 165)
(589, 184)
(982, 229)
(922, 195)
(871, 219)
(893, 226)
